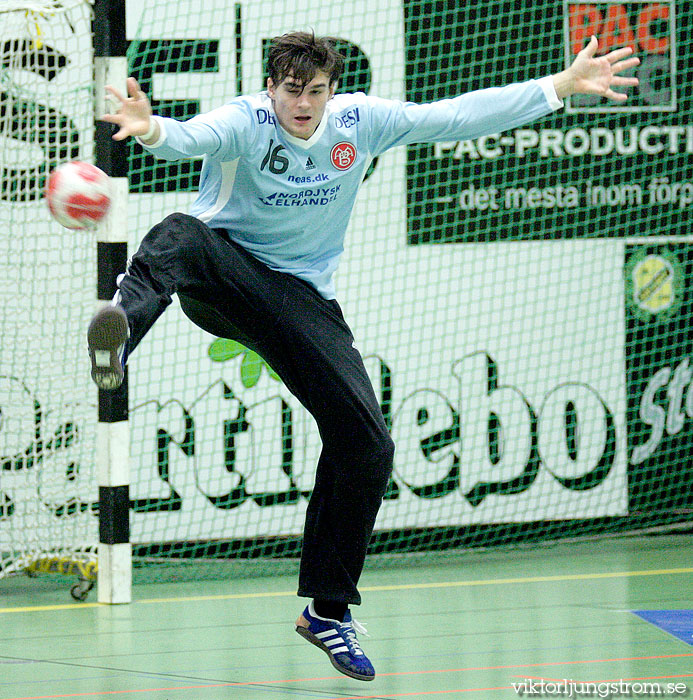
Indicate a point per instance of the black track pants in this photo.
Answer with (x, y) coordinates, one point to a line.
(229, 293)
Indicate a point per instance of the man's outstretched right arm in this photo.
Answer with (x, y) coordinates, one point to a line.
(166, 138)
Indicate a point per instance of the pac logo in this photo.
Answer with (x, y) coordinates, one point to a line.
(647, 27)
(343, 155)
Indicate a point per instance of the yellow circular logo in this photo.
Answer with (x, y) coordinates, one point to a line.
(653, 280)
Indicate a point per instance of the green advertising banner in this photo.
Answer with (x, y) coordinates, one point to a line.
(593, 169)
(659, 304)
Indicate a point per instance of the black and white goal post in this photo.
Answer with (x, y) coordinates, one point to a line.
(113, 435)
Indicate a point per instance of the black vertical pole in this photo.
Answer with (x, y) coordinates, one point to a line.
(112, 450)
(239, 48)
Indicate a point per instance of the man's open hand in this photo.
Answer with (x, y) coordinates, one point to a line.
(590, 75)
(133, 112)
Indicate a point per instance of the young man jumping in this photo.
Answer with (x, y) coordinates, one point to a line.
(247, 266)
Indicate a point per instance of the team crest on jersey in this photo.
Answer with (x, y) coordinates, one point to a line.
(343, 155)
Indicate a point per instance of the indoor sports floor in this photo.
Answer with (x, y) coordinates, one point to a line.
(468, 626)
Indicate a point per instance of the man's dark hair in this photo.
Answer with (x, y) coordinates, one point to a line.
(302, 55)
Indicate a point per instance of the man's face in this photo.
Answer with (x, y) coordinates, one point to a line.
(299, 108)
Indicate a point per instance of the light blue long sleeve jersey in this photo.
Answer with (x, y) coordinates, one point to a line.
(288, 200)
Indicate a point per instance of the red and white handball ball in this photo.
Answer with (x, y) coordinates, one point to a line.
(78, 194)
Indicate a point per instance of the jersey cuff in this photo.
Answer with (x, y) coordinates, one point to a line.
(162, 134)
(546, 84)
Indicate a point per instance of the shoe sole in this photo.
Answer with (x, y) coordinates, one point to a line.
(307, 634)
(107, 332)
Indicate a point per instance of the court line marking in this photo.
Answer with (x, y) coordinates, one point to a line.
(418, 693)
(369, 589)
(606, 680)
(226, 685)
(260, 684)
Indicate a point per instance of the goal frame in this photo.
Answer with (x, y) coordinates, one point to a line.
(113, 433)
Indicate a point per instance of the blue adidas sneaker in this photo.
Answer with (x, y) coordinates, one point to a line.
(107, 338)
(338, 640)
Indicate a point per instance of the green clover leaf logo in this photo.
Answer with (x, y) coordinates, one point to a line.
(223, 349)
